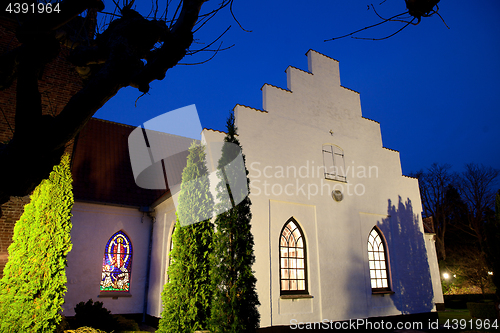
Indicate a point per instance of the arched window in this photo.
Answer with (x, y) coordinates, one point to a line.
(117, 263)
(333, 159)
(378, 261)
(293, 265)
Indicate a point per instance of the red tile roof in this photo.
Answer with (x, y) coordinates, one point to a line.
(101, 167)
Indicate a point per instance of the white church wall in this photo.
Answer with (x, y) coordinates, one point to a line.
(162, 234)
(283, 147)
(288, 136)
(430, 242)
(93, 225)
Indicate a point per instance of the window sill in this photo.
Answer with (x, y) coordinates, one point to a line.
(114, 295)
(296, 296)
(337, 180)
(383, 292)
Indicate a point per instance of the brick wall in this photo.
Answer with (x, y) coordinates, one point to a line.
(58, 84)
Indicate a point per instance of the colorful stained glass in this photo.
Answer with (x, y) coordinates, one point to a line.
(117, 263)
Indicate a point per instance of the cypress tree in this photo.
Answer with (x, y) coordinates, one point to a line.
(235, 300)
(34, 280)
(186, 296)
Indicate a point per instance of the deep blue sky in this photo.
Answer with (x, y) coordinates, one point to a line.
(435, 91)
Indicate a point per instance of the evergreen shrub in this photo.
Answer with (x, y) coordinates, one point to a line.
(34, 279)
(95, 315)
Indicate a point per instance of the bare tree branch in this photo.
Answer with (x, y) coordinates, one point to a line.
(477, 188)
(130, 51)
(234, 17)
(434, 185)
(392, 20)
(407, 24)
(368, 27)
(416, 9)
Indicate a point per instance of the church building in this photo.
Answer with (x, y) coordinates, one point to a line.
(337, 227)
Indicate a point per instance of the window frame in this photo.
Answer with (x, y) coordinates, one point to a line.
(383, 243)
(333, 176)
(304, 247)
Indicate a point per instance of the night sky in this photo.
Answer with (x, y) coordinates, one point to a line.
(434, 90)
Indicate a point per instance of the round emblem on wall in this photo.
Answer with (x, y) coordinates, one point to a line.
(337, 195)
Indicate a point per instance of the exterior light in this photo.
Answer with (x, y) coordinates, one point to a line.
(490, 273)
(454, 275)
(446, 276)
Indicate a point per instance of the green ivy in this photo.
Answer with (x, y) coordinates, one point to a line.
(34, 279)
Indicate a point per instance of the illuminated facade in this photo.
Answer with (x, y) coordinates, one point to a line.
(337, 227)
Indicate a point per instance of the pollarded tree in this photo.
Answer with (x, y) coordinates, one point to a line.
(34, 280)
(235, 301)
(187, 295)
(131, 49)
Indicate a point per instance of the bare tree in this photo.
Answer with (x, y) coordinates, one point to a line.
(130, 50)
(477, 188)
(434, 184)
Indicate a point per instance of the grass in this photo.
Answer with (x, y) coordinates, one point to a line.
(92, 330)
(461, 320)
(451, 314)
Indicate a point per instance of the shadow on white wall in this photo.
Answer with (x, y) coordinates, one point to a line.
(411, 277)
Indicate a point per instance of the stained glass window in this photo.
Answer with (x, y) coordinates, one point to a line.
(293, 268)
(117, 263)
(378, 261)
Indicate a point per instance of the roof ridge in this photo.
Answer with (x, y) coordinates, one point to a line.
(370, 119)
(357, 92)
(324, 55)
(213, 130)
(272, 85)
(112, 122)
(397, 151)
(301, 70)
(249, 107)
